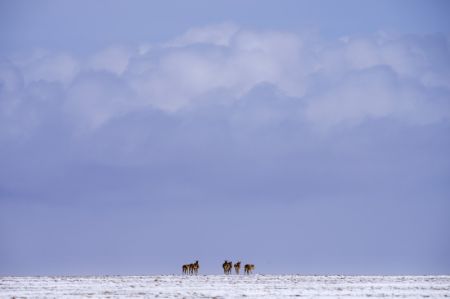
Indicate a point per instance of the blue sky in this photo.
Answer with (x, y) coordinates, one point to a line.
(305, 137)
(86, 25)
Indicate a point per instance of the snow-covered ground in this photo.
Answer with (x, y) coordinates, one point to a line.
(220, 286)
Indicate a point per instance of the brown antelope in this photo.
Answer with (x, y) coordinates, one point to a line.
(248, 268)
(227, 267)
(191, 268)
(237, 267)
(196, 266)
(224, 266)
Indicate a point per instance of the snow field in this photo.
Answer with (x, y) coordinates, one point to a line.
(221, 286)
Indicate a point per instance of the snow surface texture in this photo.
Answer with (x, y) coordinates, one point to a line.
(220, 286)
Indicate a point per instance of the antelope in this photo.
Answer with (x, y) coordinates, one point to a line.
(195, 267)
(191, 268)
(227, 267)
(237, 267)
(248, 268)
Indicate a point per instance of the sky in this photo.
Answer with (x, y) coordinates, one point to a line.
(307, 137)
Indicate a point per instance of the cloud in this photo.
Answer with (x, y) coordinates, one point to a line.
(96, 97)
(113, 59)
(223, 99)
(341, 81)
(218, 35)
(305, 67)
(377, 92)
(46, 65)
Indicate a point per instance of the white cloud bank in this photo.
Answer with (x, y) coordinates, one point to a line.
(335, 82)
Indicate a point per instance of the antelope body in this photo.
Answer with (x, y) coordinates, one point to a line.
(227, 267)
(237, 267)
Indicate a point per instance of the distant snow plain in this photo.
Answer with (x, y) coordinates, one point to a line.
(225, 286)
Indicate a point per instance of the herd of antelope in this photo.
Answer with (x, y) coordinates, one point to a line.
(227, 266)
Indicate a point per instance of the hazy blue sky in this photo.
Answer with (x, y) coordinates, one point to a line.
(302, 136)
